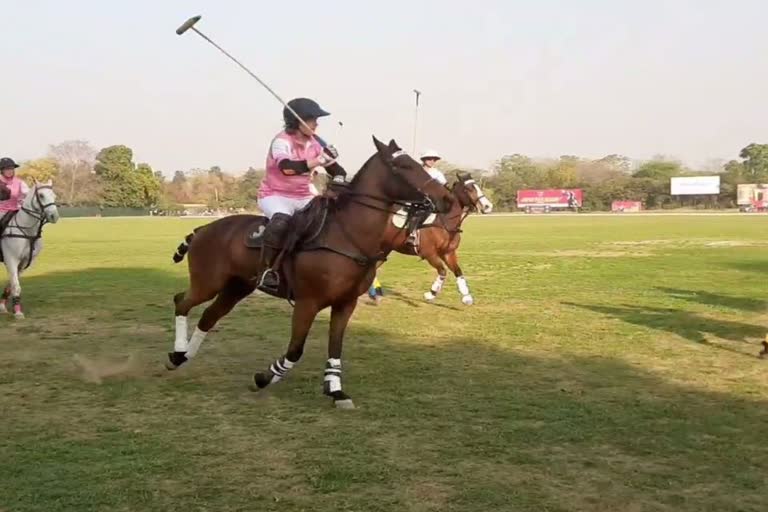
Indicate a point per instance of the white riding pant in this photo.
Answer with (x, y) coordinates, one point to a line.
(271, 205)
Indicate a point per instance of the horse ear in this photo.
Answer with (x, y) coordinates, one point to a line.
(393, 146)
(382, 149)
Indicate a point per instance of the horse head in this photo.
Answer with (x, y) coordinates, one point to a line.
(470, 195)
(42, 200)
(401, 178)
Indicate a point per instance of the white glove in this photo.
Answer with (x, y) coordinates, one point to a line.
(338, 179)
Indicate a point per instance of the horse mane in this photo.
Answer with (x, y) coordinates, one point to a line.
(362, 170)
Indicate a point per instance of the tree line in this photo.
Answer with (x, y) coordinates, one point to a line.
(109, 177)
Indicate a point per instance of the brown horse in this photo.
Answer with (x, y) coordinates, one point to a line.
(439, 237)
(331, 267)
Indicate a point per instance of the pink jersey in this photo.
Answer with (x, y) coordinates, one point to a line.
(18, 189)
(275, 183)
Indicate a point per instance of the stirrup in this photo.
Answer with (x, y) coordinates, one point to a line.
(264, 275)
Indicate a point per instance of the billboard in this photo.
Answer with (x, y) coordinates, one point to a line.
(695, 185)
(554, 198)
(626, 206)
(752, 194)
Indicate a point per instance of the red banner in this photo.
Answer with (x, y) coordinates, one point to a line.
(626, 206)
(555, 198)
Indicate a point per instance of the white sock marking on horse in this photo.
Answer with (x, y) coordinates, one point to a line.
(180, 343)
(198, 337)
(438, 284)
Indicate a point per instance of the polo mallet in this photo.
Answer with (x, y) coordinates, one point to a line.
(190, 25)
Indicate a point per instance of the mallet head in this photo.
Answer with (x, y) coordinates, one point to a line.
(188, 24)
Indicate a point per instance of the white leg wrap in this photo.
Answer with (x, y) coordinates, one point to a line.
(333, 375)
(180, 343)
(461, 283)
(280, 368)
(194, 344)
(438, 284)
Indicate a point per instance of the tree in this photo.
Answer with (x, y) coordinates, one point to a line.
(658, 169)
(76, 182)
(179, 177)
(42, 169)
(755, 162)
(250, 183)
(151, 185)
(617, 163)
(126, 185)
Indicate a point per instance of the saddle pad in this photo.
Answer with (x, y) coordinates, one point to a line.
(253, 237)
(400, 218)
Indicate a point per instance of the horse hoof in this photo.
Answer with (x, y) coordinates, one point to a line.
(18, 316)
(429, 296)
(175, 359)
(261, 380)
(344, 404)
(467, 300)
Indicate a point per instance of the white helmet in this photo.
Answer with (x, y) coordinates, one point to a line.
(430, 153)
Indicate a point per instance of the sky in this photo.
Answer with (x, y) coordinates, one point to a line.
(683, 78)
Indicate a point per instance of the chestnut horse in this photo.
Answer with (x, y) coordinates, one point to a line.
(330, 268)
(439, 238)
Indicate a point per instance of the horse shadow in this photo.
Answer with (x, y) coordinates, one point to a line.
(757, 266)
(686, 324)
(407, 300)
(716, 299)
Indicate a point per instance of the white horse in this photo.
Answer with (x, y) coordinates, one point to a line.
(21, 241)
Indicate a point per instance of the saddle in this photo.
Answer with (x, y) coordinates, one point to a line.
(303, 233)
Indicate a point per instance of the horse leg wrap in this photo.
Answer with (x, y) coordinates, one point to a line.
(437, 285)
(332, 380)
(16, 302)
(180, 342)
(461, 284)
(279, 368)
(194, 343)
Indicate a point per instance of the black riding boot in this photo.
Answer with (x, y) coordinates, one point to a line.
(274, 236)
(415, 219)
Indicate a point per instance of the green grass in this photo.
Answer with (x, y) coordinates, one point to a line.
(608, 364)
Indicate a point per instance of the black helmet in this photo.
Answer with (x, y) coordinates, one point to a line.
(7, 163)
(306, 108)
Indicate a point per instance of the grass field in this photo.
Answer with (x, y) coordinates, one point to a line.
(609, 364)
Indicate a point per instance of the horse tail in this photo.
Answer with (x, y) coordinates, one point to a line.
(183, 248)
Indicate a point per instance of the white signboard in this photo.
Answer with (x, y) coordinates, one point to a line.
(695, 185)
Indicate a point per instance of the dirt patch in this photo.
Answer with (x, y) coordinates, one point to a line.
(96, 370)
(427, 495)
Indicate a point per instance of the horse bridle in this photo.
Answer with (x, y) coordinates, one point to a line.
(426, 203)
(480, 195)
(43, 207)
